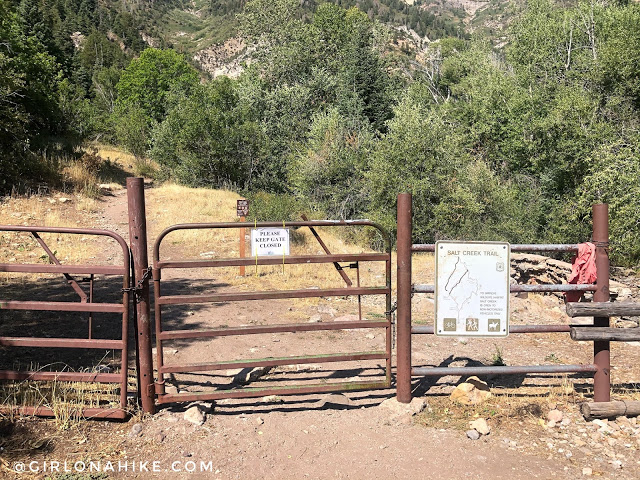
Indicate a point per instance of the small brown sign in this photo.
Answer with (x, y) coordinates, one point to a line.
(242, 208)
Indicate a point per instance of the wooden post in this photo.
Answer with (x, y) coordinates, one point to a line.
(604, 309)
(605, 334)
(242, 210)
(242, 244)
(610, 409)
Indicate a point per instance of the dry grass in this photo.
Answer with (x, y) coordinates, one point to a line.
(528, 404)
(98, 166)
(125, 161)
(172, 204)
(17, 247)
(166, 206)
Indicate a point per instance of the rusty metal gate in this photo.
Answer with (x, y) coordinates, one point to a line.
(601, 360)
(163, 334)
(87, 304)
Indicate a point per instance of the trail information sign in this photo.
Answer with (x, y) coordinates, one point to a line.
(472, 289)
(242, 208)
(269, 241)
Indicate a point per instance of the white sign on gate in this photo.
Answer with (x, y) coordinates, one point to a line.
(269, 241)
(472, 289)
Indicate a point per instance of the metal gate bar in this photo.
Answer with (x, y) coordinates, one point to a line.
(601, 365)
(83, 306)
(162, 335)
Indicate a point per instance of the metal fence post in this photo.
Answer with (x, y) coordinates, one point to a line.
(138, 244)
(403, 333)
(601, 351)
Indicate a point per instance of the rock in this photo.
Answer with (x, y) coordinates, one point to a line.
(473, 434)
(370, 336)
(104, 186)
(471, 392)
(171, 389)
(601, 423)
(622, 420)
(315, 319)
(616, 464)
(64, 199)
(481, 426)
(272, 399)
(334, 400)
(588, 471)
(416, 406)
(565, 421)
(555, 416)
(160, 437)
(248, 375)
(259, 421)
(136, 430)
(551, 424)
(626, 324)
(195, 415)
(206, 407)
(346, 318)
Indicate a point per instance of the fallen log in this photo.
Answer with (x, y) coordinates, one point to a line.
(594, 334)
(593, 410)
(603, 309)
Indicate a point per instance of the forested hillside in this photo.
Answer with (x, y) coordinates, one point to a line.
(504, 128)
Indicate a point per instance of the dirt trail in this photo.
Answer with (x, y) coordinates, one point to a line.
(352, 435)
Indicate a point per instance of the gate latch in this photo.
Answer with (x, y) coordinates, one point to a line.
(139, 285)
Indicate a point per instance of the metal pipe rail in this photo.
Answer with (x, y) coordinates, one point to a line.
(516, 288)
(87, 304)
(502, 370)
(406, 289)
(528, 247)
(163, 335)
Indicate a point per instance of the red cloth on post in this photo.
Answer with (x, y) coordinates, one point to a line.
(583, 270)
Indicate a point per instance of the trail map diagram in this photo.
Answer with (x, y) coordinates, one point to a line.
(472, 288)
(460, 286)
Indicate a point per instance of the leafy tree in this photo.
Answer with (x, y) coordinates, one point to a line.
(363, 79)
(329, 173)
(143, 90)
(455, 195)
(133, 130)
(286, 47)
(147, 81)
(614, 180)
(207, 141)
(619, 53)
(28, 98)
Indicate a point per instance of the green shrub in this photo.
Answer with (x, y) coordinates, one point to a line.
(274, 207)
